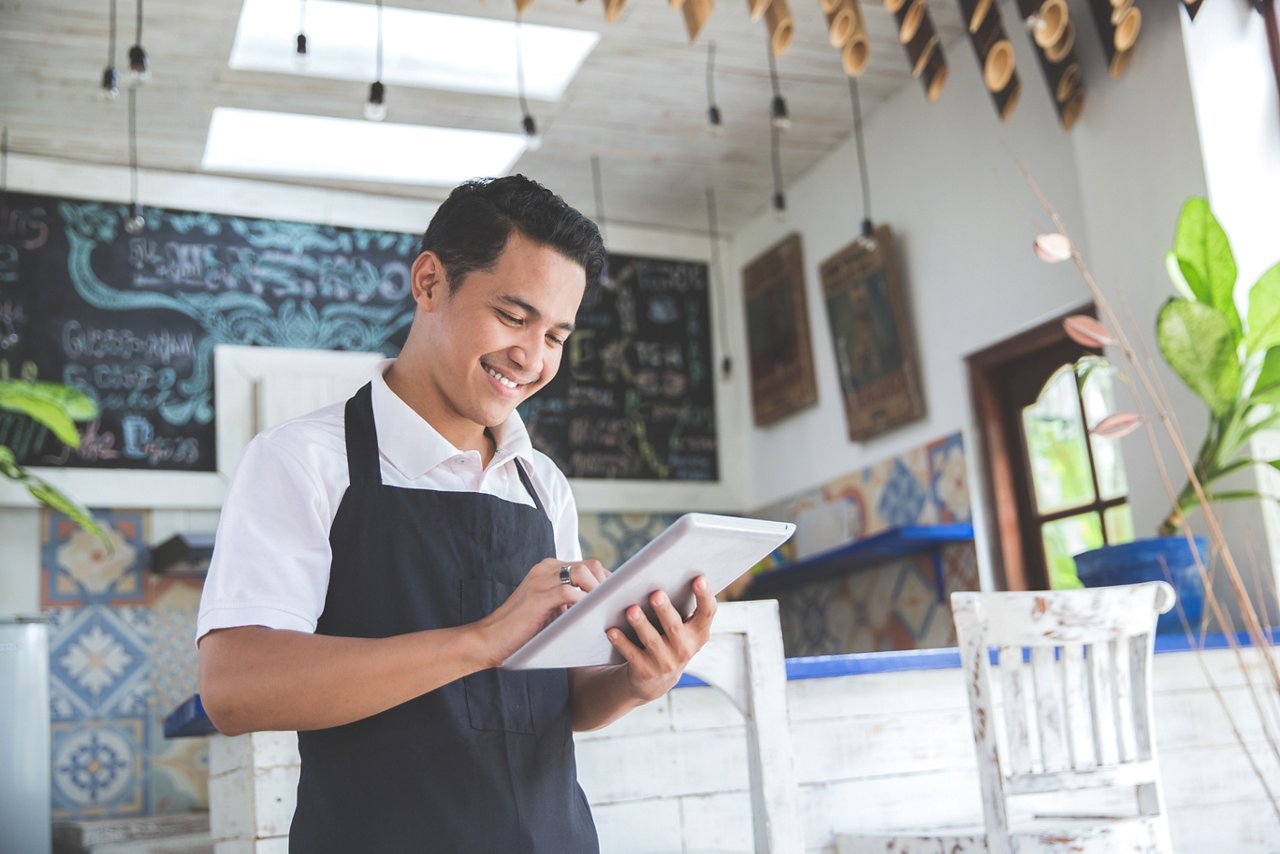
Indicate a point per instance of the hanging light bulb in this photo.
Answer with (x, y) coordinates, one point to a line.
(136, 221)
(375, 109)
(713, 110)
(300, 41)
(778, 113)
(533, 140)
(139, 67)
(110, 83)
(110, 77)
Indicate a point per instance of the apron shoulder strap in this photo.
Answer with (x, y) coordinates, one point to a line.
(362, 439)
(528, 485)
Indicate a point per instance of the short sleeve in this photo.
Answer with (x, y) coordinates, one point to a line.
(562, 510)
(271, 556)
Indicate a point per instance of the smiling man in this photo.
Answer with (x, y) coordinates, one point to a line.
(377, 560)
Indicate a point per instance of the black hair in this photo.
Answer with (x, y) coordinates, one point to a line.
(471, 227)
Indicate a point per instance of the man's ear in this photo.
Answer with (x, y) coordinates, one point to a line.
(428, 281)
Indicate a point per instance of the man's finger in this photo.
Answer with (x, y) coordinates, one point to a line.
(706, 608)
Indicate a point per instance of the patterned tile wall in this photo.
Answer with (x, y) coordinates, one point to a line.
(902, 603)
(120, 659)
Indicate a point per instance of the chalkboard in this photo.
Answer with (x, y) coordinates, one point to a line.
(636, 399)
(132, 319)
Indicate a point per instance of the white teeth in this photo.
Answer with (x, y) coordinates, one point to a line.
(500, 378)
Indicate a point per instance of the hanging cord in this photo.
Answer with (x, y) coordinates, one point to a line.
(138, 37)
(867, 228)
(778, 106)
(111, 39)
(524, 103)
(379, 74)
(775, 151)
(598, 185)
(726, 364)
(713, 109)
(133, 146)
(773, 68)
(4, 161)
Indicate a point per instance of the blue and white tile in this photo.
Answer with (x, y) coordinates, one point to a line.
(97, 768)
(902, 499)
(915, 599)
(949, 477)
(99, 663)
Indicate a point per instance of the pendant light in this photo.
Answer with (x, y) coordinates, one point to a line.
(713, 282)
(300, 54)
(713, 110)
(111, 77)
(136, 221)
(775, 152)
(375, 109)
(533, 140)
(139, 66)
(868, 228)
(778, 106)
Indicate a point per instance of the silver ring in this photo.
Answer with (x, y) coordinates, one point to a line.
(566, 576)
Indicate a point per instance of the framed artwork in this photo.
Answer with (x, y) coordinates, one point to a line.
(874, 342)
(781, 358)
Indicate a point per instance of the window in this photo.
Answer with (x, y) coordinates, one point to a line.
(1056, 489)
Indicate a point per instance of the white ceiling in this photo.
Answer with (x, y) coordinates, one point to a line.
(639, 101)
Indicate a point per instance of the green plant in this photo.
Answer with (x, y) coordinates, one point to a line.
(1232, 364)
(57, 408)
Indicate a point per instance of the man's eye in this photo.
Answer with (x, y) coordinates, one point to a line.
(559, 342)
(510, 318)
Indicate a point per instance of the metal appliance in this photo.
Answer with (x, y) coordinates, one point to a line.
(24, 736)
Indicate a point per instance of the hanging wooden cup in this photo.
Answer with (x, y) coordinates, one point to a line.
(1058, 51)
(995, 52)
(972, 11)
(1120, 62)
(1049, 21)
(1064, 80)
(1127, 21)
(934, 76)
(855, 54)
(756, 8)
(521, 5)
(909, 16)
(612, 9)
(921, 46)
(841, 19)
(892, 6)
(781, 27)
(696, 13)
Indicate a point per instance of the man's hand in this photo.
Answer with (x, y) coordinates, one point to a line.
(655, 663)
(539, 599)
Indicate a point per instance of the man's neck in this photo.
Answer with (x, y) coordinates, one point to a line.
(464, 437)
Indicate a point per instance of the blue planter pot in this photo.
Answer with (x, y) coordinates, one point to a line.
(1147, 560)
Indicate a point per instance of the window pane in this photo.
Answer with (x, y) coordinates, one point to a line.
(1119, 522)
(1056, 447)
(1099, 402)
(1065, 538)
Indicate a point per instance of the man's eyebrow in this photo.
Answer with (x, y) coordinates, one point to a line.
(531, 311)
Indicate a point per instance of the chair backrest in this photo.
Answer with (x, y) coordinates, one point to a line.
(1074, 675)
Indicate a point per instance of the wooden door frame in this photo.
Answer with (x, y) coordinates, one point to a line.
(1000, 490)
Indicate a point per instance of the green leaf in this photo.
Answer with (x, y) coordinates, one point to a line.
(51, 497)
(1205, 260)
(1197, 343)
(1264, 312)
(9, 465)
(1178, 276)
(55, 406)
(1267, 387)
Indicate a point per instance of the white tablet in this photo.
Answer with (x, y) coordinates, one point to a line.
(719, 547)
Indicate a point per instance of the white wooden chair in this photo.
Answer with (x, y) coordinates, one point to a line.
(1073, 726)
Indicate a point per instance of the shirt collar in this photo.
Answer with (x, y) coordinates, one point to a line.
(414, 447)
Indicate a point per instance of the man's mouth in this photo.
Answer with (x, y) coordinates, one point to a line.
(503, 379)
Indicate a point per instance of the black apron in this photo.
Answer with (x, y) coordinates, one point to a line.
(483, 764)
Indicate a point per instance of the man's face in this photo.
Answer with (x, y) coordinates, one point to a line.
(499, 338)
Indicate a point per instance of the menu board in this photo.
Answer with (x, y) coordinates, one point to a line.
(132, 320)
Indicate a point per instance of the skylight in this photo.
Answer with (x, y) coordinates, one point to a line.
(353, 149)
(421, 49)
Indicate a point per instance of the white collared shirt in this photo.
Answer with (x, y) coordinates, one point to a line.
(270, 566)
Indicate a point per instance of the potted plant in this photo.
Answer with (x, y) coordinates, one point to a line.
(56, 407)
(1233, 365)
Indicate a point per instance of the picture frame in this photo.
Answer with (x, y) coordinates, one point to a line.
(780, 355)
(874, 341)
